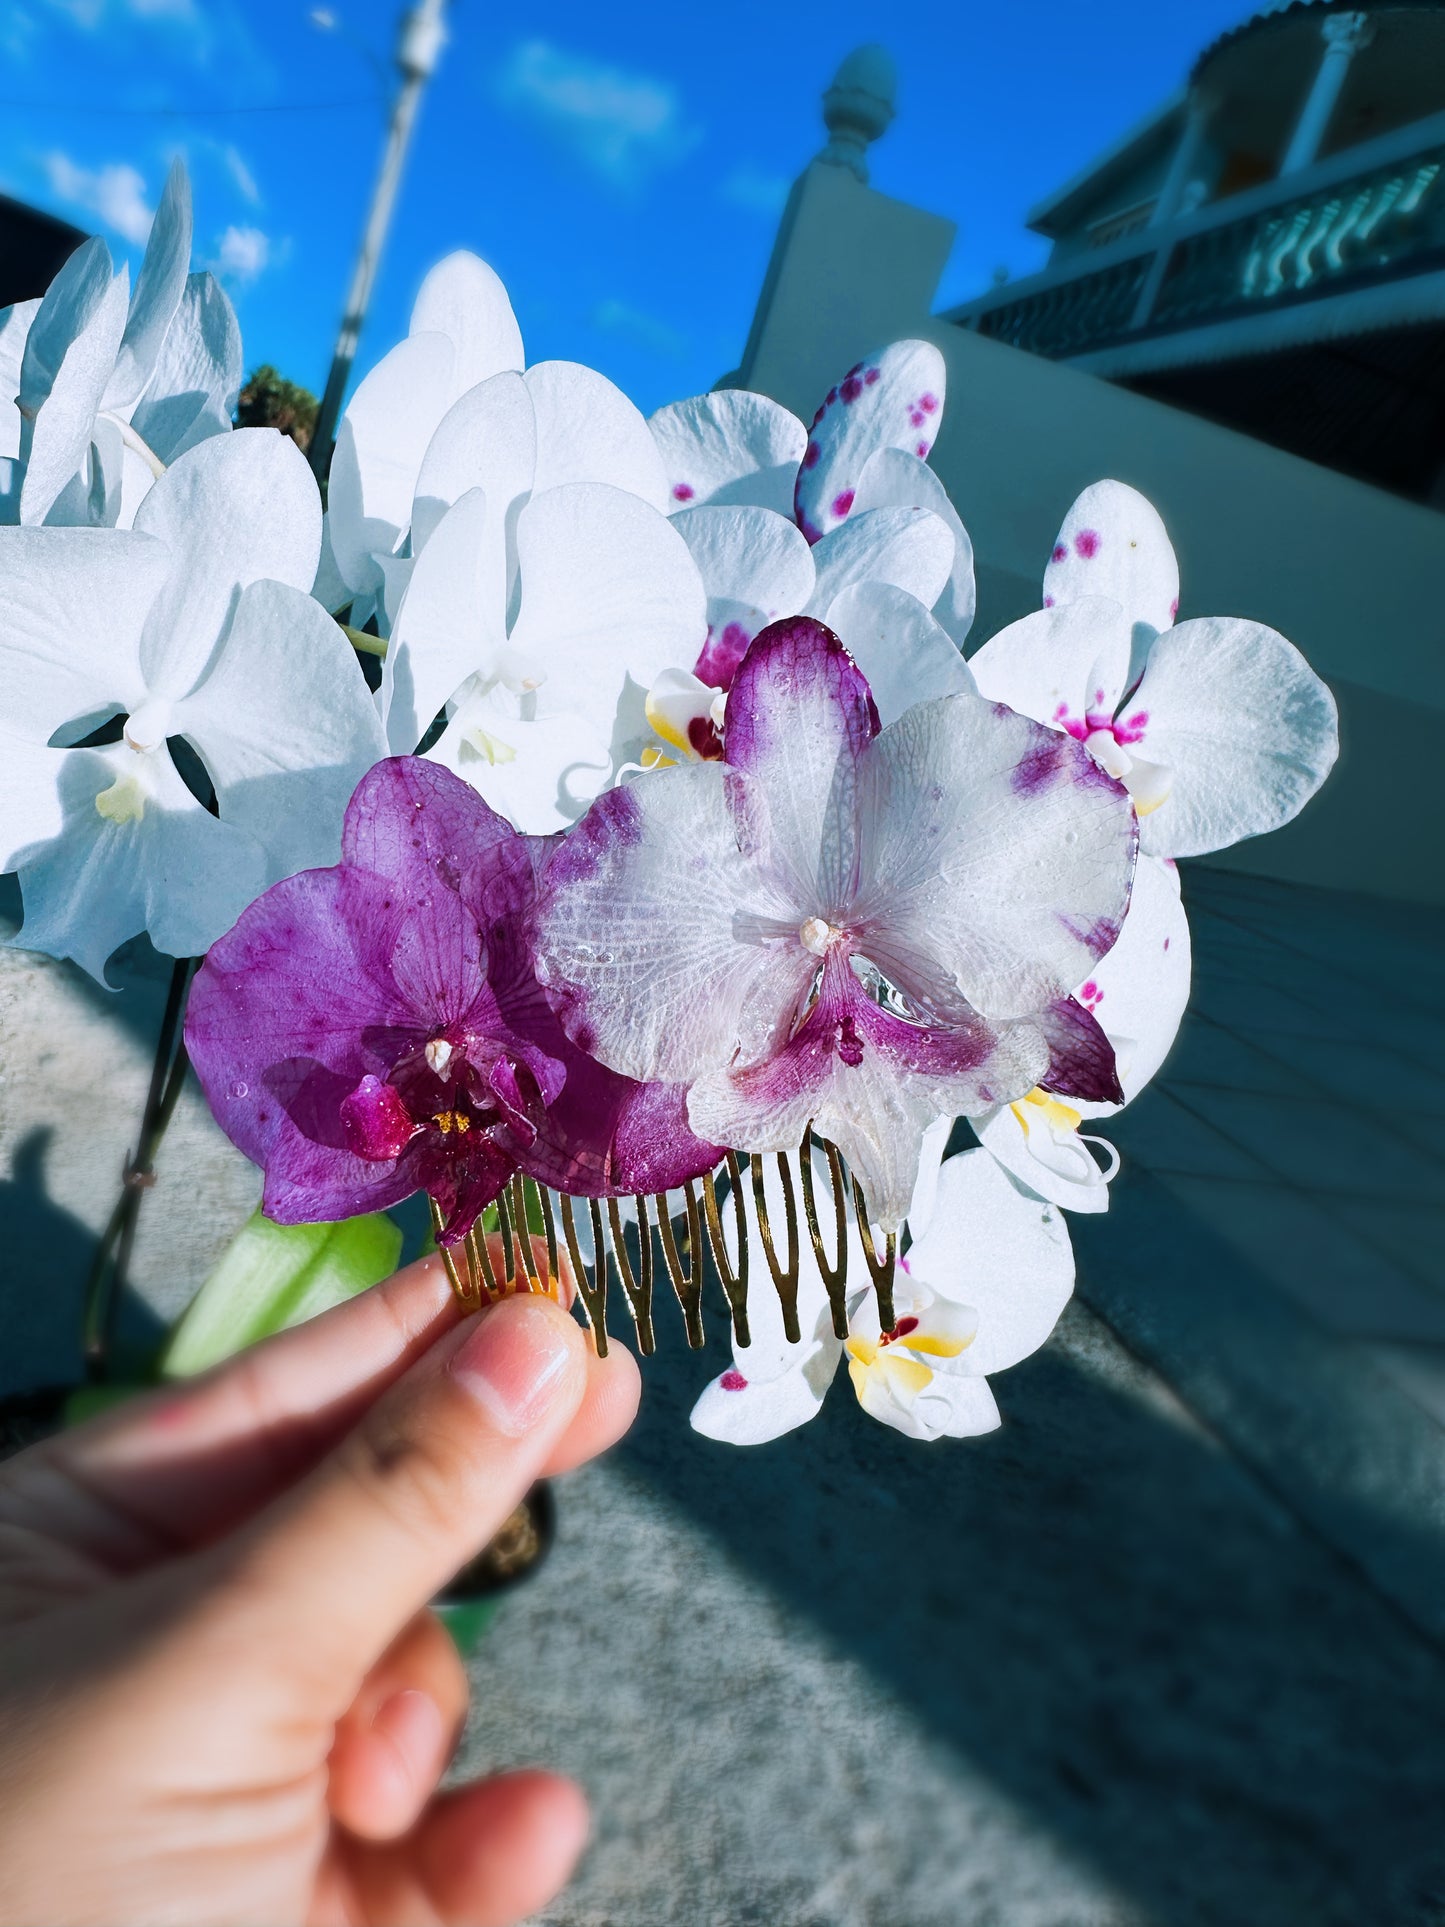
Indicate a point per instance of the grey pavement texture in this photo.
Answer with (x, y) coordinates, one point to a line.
(1165, 1649)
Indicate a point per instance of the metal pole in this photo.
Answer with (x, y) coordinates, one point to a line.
(422, 37)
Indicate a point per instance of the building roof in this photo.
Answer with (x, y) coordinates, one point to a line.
(1273, 14)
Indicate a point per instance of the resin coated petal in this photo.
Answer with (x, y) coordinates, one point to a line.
(905, 655)
(892, 400)
(1246, 726)
(588, 431)
(1066, 666)
(1114, 544)
(423, 829)
(236, 509)
(1000, 855)
(285, 726)
(730, 447)
(799, 716)
(661, 942)
(1005, 1255)
(896, 478)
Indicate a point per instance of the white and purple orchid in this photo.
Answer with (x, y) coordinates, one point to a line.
(108, 386)
(196, 625)
(1217, 726)
(859, 928)
(979, 1289)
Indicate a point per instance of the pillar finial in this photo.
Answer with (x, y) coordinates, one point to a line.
(858, 107)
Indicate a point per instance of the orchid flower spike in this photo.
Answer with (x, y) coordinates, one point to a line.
(110, 387)
(979, 1290)
(860, 930)
(1218, 727)
(196, 625)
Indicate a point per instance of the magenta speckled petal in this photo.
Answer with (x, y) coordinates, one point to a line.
(374, 1121)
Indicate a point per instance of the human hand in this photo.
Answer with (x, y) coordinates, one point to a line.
(221, 1698)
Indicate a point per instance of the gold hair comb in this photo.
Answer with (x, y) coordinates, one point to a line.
(474, 1272)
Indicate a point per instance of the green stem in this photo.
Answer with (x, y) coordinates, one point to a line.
(106, 1281)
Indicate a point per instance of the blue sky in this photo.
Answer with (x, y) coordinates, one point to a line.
(622, 168)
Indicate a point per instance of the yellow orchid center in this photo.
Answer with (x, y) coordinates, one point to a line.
(492, 747)
(891, 1357)
(449, 1121)
(1037, 1110)
(123, 802)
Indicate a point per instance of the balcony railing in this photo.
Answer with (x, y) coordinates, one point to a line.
(1367, 216)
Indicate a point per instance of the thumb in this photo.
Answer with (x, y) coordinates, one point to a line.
(427, 1477)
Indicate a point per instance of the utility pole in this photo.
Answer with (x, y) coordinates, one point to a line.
(421, 41)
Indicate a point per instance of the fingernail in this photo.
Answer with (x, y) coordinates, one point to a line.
(411, 1724)
(513, 1362)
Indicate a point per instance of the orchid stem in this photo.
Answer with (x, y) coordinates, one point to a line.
(105, 1283)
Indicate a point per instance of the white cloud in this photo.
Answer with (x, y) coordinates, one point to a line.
(114, 193)
(759, 193)
(243, 253)
(645, 331)
(623, 125)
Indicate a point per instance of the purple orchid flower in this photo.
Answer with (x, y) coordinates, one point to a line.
(375, 1029)
(857, 928)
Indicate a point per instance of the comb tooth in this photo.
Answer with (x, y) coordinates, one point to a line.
(880, 1269)
(483, 1272)
(549, 1227)
(522, 1229)
(638, 1289)
(454, 1279)
(835, 1276)
(785, 1277)
(686, 1282)
(504, 1225)
(734, 1281)
(592, 1293)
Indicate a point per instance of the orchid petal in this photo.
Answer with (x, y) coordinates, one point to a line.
(1140, 990)
(750, 557)
(1114, 544)
(730, 447)
(799, 716)
(608, 589)
(911, 548)
(69, 356)
(418, 827)
(486, 440)
(738, 1410)
(32, 810)
(379, 451)
(464, 300)
(1006, 1255)
(947, 1407)
(1245, 724)
(15, 325)
(146, 858)
(1081, 1057)
(1054, 1164)
(896, 478)
(588, 431)
(922, 1204)
(540, 772)
(1062, 666)
(894, 400)
(158, 290)
(233, 510)
(75, 603)
(285, 726)
(1017, 910)
(905, 655)
(197, 377)
(451, 623)
(666, 863)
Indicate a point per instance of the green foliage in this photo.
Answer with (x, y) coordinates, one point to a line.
(270, 401)
(272, 1276)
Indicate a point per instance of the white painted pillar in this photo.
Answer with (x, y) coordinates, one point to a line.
(1344, 35)
(1186, 159)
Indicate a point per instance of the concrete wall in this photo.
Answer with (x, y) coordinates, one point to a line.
(1349, 573)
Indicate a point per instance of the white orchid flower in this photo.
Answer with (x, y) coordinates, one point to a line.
(867, 451)
(108, 387)
(1137, 994)
(197, 624)
(981, 1288)
(1218, 727)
